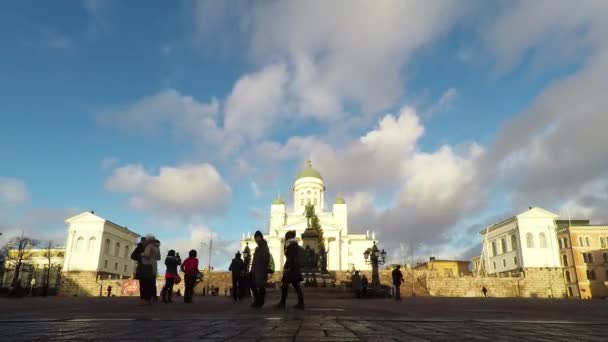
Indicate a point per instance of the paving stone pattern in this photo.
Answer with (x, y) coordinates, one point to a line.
(312, 328)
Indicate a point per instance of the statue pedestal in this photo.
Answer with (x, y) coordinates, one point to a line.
(310, 238)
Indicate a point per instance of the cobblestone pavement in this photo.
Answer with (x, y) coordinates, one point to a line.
(313, 327)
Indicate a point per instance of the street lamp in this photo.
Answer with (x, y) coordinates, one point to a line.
(375, 257)
(247, 256)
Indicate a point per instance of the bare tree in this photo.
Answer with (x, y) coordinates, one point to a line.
(49, 267)
(18, 255)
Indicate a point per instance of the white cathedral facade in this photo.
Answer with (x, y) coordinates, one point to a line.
(344, 250)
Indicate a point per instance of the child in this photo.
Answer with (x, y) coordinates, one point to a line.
(190, 269)
(172, 261)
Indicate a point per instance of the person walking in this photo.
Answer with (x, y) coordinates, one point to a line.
(136, 256)
(356, 284)
(190, 269)
(291, 271)
(364, 286)
(397, 280)
(485, 292)
(150, 259)
(259, 270)
(171, 276)
(237, 267)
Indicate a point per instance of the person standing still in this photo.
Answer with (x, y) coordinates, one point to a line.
(171, 261)
(237, 267)
(291, 271)
(397, 280)
(136, 256)
(259, 270)
(190, 269)
(485, 292)
(150, 258)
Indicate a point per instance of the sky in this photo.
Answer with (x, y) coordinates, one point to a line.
(185, 119)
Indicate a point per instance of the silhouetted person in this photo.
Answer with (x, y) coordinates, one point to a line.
(109, 290)
(150, 259)
(291, 270)
(397, 280)
(356, 284)
(259, 270)
(190, 269)
(171, 261)
(485, 292)
(364, 285)
(136, 255)
(237, 267)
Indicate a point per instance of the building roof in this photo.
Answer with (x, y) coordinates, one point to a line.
(531, 210)
(340, 200)
(309, 171)
(278, 200)
(97, 217)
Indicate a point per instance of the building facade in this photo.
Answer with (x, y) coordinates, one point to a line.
(527, 240)
(95, 244)
(584, 256)
(446, 268)
(344, 251)
(36, 266)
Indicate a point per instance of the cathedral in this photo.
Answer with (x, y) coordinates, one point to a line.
(344, 250)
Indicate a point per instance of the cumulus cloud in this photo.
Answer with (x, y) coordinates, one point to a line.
(188, 190)
(13, 191)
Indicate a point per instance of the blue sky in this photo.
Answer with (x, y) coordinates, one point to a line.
(186, 118)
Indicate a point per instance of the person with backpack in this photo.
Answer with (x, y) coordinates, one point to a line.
(171, 276)
(291, 271)
(237, 267)
(191, 274)
(259, 270)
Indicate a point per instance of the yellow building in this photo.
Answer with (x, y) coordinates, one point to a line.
(446, 268)
(584, 256)
(34, 267)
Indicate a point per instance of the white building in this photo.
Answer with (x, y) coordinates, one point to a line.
(345, 251)
(34, 266)
(527, 240)
(98, 245)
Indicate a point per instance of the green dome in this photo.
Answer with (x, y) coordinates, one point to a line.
(340, 200)
(309, 172)
(278, 200)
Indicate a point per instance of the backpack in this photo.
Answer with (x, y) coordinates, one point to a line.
(271, 264)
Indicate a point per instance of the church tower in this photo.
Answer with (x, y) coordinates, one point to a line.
(308, 188)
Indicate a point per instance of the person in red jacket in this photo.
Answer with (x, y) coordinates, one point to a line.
(190, 269)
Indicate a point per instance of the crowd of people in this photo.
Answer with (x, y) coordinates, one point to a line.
(245, 283)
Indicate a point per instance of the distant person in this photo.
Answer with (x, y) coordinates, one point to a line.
(259, 270)
(291, 270)
(171, 276)
(136, 256)
(485, 292)
(150, 261)
(237, 267)
(190, 269)
(397, 280)
(364, 286)
(356, 284)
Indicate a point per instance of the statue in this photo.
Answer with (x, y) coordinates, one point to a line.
(309, 213)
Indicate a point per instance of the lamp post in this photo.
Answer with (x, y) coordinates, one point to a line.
(247, 256)
(375, 257)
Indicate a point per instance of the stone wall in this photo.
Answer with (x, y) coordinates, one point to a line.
(538, 282)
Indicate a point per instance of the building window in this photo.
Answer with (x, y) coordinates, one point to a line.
(92, 241)
(115, 266)
(567, 276)
(308, 192)
(515, 261)
(79, 243)
(542, 240)
(513, 242)
(504, 263)
(591, 274)
(315, 202)
(565, 242)
(529, 240)
(503, 245)
(105, 264)
(580, 241)
(587, 241)
(301, 201)
(603, 242)
(117, 249)
(494, 264)
(125, 269)
(605, 255)
(570, 292)
(561, 246)
(588, 257)
(126, 251)
(494, 251)
(564, 260)
(107, 247)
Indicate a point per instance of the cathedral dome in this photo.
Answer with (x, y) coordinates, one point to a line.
(309, 171)
(278, 200)
(340, 200)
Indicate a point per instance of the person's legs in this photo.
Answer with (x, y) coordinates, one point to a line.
(298, 288)
(169, 288)
(398, 292)
(262, 292)
(235, 288)
(256, 296)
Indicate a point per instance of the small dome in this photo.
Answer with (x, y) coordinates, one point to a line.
(278, 200)
(340, 200)
(309, 172)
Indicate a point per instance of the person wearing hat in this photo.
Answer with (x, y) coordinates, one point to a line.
(237, 267)
(259, 270)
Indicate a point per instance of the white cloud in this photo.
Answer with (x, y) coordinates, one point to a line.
(13, 191)
(444, 103)
(187, 190)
